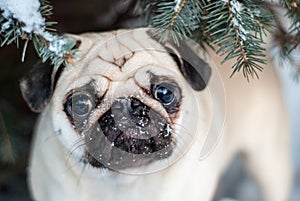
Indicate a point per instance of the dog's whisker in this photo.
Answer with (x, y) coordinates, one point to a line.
(74, 147)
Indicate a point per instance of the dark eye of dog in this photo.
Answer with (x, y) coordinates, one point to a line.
(79, 106)
(164, 95)
(168, 94)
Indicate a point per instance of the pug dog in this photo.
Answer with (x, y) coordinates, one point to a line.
(133, 118)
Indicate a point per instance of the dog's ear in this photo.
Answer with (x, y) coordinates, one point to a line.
(37, 86)
(197, 72)
(193, 68)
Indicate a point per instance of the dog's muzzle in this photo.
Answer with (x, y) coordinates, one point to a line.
(130, 134)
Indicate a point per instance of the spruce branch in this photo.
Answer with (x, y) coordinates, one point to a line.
(179, 16)
(16, 26)
(238, 32)
(234, 32)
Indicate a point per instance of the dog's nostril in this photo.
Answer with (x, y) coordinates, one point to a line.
(120, 108)
(139, 113)
(131, 110)
(117, 105)
(135, 103)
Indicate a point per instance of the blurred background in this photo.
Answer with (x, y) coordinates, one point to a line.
(17, 121)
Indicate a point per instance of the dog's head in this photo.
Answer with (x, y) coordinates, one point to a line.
(126, 102)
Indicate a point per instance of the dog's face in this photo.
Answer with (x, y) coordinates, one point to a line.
(126, 102)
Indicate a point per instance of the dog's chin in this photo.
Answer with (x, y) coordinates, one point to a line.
(121, 141)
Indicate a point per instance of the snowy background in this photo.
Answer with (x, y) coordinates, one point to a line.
(16, 121)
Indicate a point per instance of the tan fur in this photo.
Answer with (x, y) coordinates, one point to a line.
(250, 118)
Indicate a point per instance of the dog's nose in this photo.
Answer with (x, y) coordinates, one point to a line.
(120, 107)
(139, 113)
(130, 134)
(132, 110)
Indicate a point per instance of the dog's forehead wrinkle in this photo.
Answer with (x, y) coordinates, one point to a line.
(141, 59)
(115, 52)
(122, 60)
(118, 61)
(99, 66)
(126, 40)
(104, 59)
(89, 55)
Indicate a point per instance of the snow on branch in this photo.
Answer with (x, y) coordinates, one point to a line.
(25, 11)
(25, 20)
(236, 29)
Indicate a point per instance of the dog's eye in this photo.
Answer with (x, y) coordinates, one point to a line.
(164, 95)
(168, 93)
(79, 106)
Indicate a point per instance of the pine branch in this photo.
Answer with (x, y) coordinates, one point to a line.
(234, 33)
(179, 16)
(48, 45)
(238, 32)
(57, 49)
